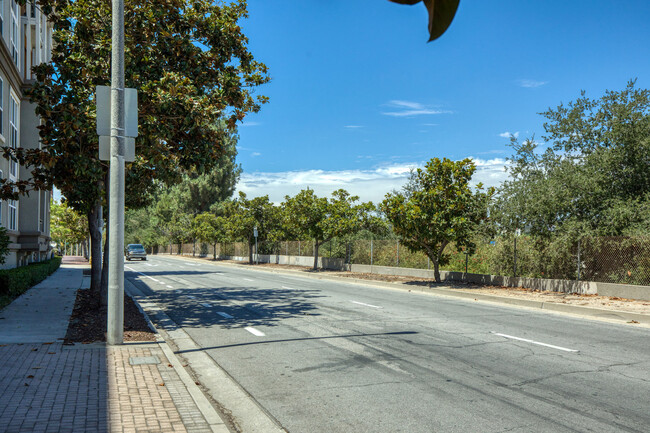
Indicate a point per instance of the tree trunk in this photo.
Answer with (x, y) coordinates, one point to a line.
(104, 289)
(194, 248)
(316, 245)
(436, 270)
(95, 224)
(214, 251)
(250, 252)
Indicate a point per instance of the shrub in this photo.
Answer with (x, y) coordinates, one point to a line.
(14, 282)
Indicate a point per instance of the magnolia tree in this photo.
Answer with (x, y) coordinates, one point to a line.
(193, 72)
(437, 207)
(67, 226)
(321, 220)
(245, 214)
(210, 229)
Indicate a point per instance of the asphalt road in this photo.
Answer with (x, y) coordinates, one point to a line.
(324, 356)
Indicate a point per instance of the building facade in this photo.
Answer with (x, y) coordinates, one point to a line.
(26, 41)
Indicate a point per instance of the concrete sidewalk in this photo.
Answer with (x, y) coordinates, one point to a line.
(47, 386)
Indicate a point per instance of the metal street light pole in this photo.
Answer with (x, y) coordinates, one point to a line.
(115, 313)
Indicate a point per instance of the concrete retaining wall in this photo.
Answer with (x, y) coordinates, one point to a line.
(627, 291)
(323, 262)
(565, 286)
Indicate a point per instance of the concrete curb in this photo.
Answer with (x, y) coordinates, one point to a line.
(212, 417)
(594, 313)
(247, 412)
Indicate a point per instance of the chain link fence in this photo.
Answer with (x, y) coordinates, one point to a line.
(624, 260)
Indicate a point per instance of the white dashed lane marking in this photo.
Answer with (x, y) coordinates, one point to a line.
(255, 332)
(365, 305)
(525, 340)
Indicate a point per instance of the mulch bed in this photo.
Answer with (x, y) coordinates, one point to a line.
(88, 324)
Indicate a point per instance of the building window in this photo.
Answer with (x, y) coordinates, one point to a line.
(2, 15)
(13, 215)
(2, 131)
(14, 32)
(13, 132)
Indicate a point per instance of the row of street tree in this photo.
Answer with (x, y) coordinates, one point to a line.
(589, 177)
(437, 207)
(196, 79)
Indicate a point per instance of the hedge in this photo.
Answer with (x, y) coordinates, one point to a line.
(15, 282)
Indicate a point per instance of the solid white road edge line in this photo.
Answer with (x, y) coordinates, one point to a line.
(534, 342)
(247, 279)
(365, 305)
(254, 331)
(224, 315)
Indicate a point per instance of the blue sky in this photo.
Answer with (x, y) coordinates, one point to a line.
(357, 94)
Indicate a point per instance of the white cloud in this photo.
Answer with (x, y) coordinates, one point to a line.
(507, 134)
(531, 83)
(353, 126)
(254, 154)
(490, 172)
(369, 185)
(408, 109)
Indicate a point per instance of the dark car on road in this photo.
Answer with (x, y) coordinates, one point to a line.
(135, 251)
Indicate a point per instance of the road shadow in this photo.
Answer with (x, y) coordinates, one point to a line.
(289, 340)
(231, 307)
(443, 284)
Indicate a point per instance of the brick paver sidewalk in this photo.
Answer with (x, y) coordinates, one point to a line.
(93, 388)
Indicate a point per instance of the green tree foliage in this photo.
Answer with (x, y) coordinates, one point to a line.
(202, 192)
(192, 69)
(438, 207)
(593, 176)
(141, 227)
(245, 214)
(209, 228)
(321, 220)
(67, 226)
